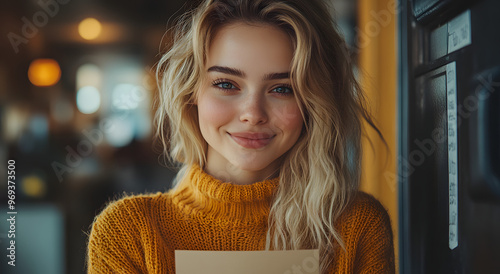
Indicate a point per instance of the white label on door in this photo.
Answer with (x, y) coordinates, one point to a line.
(459, 32)
(451, 91)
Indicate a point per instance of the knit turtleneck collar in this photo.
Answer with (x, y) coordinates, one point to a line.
(200, 193)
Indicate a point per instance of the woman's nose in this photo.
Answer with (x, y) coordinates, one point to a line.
(253, 110)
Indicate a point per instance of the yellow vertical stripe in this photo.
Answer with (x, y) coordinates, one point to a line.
(377, 61)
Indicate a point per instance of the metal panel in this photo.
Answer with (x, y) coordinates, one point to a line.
(427, 169)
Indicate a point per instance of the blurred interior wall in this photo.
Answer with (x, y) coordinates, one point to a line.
(377, 62)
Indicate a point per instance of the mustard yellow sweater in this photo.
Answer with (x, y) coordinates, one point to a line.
(139, 234)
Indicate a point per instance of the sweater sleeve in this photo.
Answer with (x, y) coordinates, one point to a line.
(113, 246)
(375, 252)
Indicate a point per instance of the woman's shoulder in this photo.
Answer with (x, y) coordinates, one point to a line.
(365, 209)
(129, 207)
(119, 231)
(366, 230)
(368, 203)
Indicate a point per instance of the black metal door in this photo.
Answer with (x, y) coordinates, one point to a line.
(449, 165)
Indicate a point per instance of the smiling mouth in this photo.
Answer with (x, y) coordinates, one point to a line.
(252, 140)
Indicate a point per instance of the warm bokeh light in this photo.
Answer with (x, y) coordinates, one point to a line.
(89, 28)
(88, 99)
(88, 75)
(33, 186)
(44, 72)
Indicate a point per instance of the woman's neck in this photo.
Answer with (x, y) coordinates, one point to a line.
(229, 173)
(200, 193)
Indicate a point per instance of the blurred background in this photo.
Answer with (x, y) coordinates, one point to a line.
(77, 88)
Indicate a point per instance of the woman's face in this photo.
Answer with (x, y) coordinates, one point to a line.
(247, 109)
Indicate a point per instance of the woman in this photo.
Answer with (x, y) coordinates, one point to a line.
(259, 105)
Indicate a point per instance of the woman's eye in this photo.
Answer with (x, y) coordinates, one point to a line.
(283, 90)
(225, 85)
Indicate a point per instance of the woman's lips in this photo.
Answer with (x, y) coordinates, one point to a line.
(252, 140)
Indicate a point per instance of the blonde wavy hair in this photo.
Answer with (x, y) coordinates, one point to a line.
(321, 172)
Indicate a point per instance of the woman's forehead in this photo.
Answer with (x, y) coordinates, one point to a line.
(249, 46)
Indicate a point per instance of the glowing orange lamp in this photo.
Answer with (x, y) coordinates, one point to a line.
(44, 72)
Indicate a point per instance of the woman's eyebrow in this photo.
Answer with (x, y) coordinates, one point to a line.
(276, 76)
(239, 73)
(227, 70)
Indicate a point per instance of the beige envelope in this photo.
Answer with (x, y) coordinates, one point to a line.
(247, 262)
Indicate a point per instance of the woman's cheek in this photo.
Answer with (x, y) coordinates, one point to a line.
(288, 116)
(214, 111)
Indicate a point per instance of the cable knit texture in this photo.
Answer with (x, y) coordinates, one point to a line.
(139, 234)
